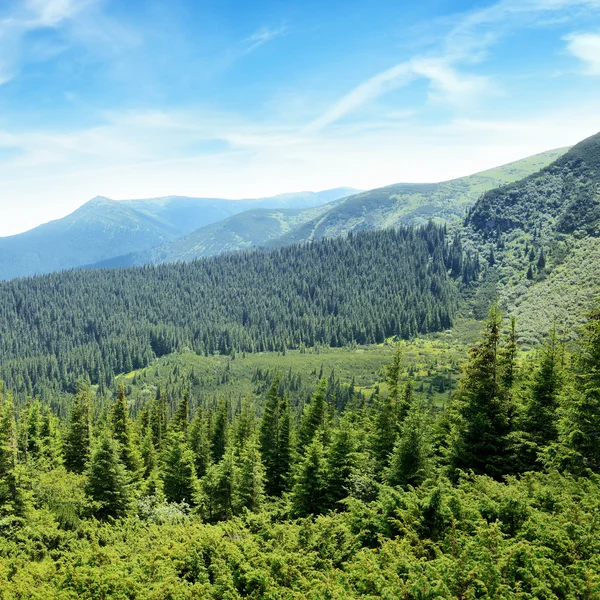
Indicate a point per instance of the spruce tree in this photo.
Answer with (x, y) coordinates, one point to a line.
(580, 428)
(51, 447)
(179, 474)
(309, 494)
(221, 427)
(78, 436)
(482, 409)
(107, 481)
(507, 357)
(542, 402)
(341, 461)
(274, 440)
(219, 487)
(200, 442)
(314, 416)
(180, 419)
(250, 482)
(123, 434)
(410, 458)
(10, 492)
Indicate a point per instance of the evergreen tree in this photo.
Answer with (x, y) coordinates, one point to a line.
(309, 494)
(482, 411)
(507, 357)
(78, 436)
(540, 419)
(274, 440)
(200, 443)
(384, 431)
(219, 487)
(250, 485)
(219, 436)
(10, 492)
(341, 461)
(179, 422)
(179, 474)
(51, 447)
(393, 373)
(580, 428)
(107, 481)
(541, 263)
(411, 455)
(123, 434)
(530, 273)
(314, 416)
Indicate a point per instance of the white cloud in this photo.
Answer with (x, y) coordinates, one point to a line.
(586, 47)
(466, 43)
(263, 36)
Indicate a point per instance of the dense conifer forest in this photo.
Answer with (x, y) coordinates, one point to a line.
(495, 495)
(361, 289)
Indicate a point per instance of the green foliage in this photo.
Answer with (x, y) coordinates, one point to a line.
(107, 483)
(179, 473)
(483, 410)
(78, 436)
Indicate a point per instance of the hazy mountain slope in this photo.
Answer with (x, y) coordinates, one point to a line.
(103, 229)
(415, 203)
(540, 239)
(98, 229)
(377, 209)
(250, 229)
(188, 214)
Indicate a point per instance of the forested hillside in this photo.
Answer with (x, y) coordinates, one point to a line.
(540, 240)
(497, 495)
(361, 288)
(391, 206)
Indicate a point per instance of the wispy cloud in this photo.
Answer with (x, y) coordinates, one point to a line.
(263, 36)
(586, 47)
(466, 43)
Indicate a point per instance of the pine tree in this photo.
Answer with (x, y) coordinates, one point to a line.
(158, 418)
(482, 423)
(123, 434)
(309, 494)
(341, 461)
(219, 435)
(393, 374)
(507, 357)
(314, 416)
(50, 440)
(200, 443)
(10, 492)
(384, 431)
(530, 273)
(250, 485)
(179, 422)
(107, 481)
(541, 263)
(219, 487)
(78, 436)
(274, 440)
(411, 455)
(179, 474)
(540, 419)
(580, 428)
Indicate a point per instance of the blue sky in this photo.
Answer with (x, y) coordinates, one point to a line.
(135, 98)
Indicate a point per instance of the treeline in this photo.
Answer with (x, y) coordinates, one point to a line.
(361, 288)
(497, 496)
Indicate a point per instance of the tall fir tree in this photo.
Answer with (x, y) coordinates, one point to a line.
(274, 440)
(542, 399)
(179, 474)
(250, 485)
(580, 427)
(107, 483)
(341, 462)
(78, 437)
(482, 409)
(220, 431)
(123, 434)
(314, 416)
(200, 442)
(411, 457)
(309, 494)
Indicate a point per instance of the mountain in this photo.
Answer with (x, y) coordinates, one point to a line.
(403, 203)
(415, 204)
(103, 228)
(541, 239)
